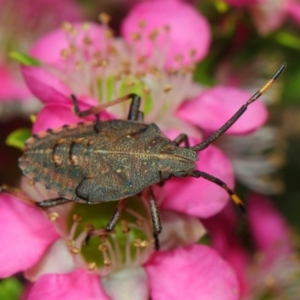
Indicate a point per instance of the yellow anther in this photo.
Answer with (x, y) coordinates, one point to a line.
(112, 50)
(86, 26)
(109, 33)
(154, 71)
(135, 36)
(167, 88)
(66, 26)
(70, 243)
(73, 32)
(78, 65)
(97, 63)
(141, 24)
(139, 74)
(97, 54)
(92, 266)
(104, 62)
(104, 18)
(64, 53)
(89, 227)
(178, 58)
(53, 216)
(193, 53)
(130, 83)
(144, 244)
(146, 90)
(87, 40)
(77, 218)
(153, 34)
(107, 262)
(172, 71)
(74, 250)
(137, 243)
(72, 48)
(102, 247)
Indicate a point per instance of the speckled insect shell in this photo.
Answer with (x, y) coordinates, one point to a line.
(103, 161)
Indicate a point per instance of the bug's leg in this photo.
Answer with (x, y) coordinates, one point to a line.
(134, 112)
(155, 216)
(52, 202)
(116, 215)
(236, 116)
(22, 197)
(182, 138)
(234, 197)
(18, 194)
(111, 224)
(95, 110)
(140, 117)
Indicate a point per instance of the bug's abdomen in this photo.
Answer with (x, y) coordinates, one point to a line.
(59, 163)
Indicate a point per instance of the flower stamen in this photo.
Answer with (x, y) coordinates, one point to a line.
(53, 216)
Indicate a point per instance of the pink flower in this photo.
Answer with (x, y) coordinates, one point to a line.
(271, 268)
(269, 15)
(256, 157)
(49, 249)
(87, 60)
(173, 27)
(21, 23)
(99, 58)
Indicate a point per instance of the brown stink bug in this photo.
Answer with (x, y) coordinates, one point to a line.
(112, 160)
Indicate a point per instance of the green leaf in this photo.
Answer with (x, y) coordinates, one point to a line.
(18, 138)
(287, 39)
(24, 59)
(10, 288)
(221, 6)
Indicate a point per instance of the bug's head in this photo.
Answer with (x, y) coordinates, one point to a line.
(175, 160)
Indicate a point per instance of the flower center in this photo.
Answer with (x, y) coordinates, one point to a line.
(100, 66)
(128, 246)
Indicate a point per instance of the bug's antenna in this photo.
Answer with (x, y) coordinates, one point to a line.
(233, 196)
(236, 116)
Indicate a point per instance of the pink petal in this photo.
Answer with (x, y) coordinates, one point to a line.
(11, 87)
(55, 115)
(77, 285)
(222, 229)
(267, 225)
(293, 8)
(188, 30)
(45, 86)
(195, 272)
(57, 259)
(129, 283)
(214, 107)
(48, 48)
(43, 15)
(179, 229)
(268, 15)
(25, 235)
(199, 197)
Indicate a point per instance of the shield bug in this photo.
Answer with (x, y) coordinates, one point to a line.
(112, 160)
